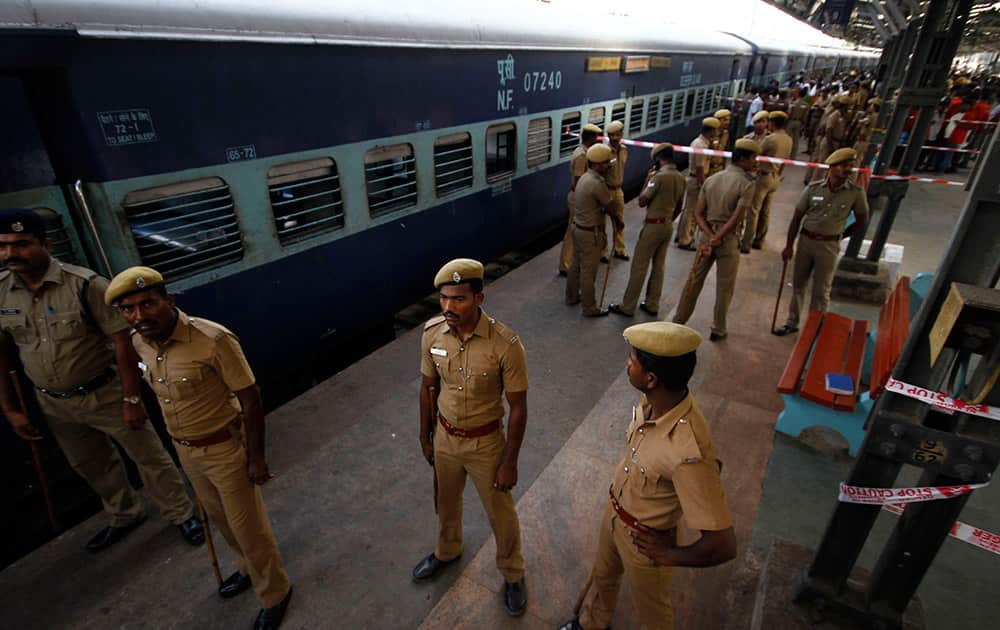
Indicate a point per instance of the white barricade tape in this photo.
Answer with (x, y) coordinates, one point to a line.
(925, 147)
(962, 531)
(941, 400)
(902, 496)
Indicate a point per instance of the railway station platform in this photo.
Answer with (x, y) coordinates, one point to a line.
(351, 502)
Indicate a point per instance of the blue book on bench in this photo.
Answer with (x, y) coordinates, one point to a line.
(839, 384)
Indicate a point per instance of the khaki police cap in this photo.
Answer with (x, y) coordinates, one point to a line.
(658, 148)
(711, 121)
(841, 100)
(746, 144)
(599, 153)
(591, 127)
(132, 280)
(615, 126)
(457, 271)
(723, 113)
(663, 339)
(842, 155)
(759, 116)
(777, 114)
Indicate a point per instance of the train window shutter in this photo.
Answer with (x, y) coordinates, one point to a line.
(635, 116)
(390, 178)
(305, 198)
(501, 151)
(452, 163)
(652, 112)
(618, 112)
(596, 117)
(539, 141)
(569, 129)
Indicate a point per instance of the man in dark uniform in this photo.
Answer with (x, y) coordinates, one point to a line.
(76, 352)
(213, 412)
(671, 471)
(470, 362)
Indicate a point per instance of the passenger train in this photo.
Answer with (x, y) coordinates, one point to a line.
(298, 170)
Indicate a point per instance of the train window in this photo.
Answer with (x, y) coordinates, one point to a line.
(618, 112)
(596, 117)
(184, 228)
(452, 163)
(570, 126)
(305, 198)
(652, 112)
(635, 116)
(690, 107)
(678, 110)
(539, 141)
(501, 154)
(391, 178)
(55, 229)
(666, 109)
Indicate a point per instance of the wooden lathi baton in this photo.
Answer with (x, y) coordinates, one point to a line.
(36, 457)
(781, 287)
(208, 539)
(433, 394)
(607, 274)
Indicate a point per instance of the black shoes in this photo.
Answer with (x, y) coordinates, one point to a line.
(688, 248)
(192, 531)
(270, 618)
(716, 337)
(622, 256)
(427, 569)
(756, 246)
(645, 308)
(110, 535)
(785, 330)
(617, 309)
(234, 585)
(562, 273)
(598, 313)
(515, 598)
(744, 250)
(572, 624)
(604, 259)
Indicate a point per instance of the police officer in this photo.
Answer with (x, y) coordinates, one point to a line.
(577, 167)
(472, 362)
(721, 205)
(662, 197)
(759, 131)
(717, 163)
(671, 470)
(214, 414)
(830, 132)
(591, 202)
(797, 114)
(697, 174)
(777, 144)
(820, 216)
(76, 352)
(614, 178)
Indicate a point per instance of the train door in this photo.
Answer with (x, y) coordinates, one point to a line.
(736, 84)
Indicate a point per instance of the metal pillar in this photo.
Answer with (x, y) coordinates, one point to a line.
(898, 426)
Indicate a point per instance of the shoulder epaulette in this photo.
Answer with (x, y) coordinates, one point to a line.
(80, 272)
(503, 331)
(434, 321)
(212, 329)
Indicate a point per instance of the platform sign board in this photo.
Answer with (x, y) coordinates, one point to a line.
(603, 64)
(127, 126)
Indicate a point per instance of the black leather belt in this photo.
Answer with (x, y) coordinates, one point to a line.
(96, 383)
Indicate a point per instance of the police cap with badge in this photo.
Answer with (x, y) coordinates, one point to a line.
(458, 271)
(132, 280)
(22, 221)
(662, 339)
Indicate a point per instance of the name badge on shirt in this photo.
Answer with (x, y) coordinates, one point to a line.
(142, 366)
(440, 352)
(9, 311)
(650, 185)
(818, 199)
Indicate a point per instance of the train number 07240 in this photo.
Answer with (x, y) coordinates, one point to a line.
(542, 81)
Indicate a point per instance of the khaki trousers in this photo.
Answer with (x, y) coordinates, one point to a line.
(654, 240)
(727, 258)
(456, 458)
(818, 259)
(235, 507)
(83, 426)
(582, 276)
(687, 225)
(758, 216)
(566, 253)
(794, 129)
(618, 233)
(648, 582)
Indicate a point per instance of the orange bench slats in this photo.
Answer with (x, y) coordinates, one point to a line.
(828, 357)
(789, 381)
(852, 365)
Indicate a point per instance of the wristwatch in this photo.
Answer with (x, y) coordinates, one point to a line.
(134, 400)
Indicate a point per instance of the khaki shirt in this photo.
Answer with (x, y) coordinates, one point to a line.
(577, 164)
(798, 111)
(756, 137)
(195, 375)
(616, 174)
(777, 144)
(589, 200)
(836, 129)
(698, 161)
(671, 469)
(826, 211)
(716, 162)
(724, 191)
(474, 374)
(663, 190)
(60, 345)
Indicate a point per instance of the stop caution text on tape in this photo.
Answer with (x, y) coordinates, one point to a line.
(903, 496)
(962, 531)
(941, 400)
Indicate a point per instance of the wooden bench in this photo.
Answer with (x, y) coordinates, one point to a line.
(833, 343)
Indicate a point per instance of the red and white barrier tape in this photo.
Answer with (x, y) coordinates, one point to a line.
(903, 496)
(941, 400)
(962, 531)
(929, 148)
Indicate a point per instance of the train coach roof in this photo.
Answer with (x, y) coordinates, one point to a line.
(511, 24)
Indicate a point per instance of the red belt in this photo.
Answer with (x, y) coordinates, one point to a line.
(480, 431)
(592, 228)
(220, 436)
(656, 221)
(625, 517)
(820, 237)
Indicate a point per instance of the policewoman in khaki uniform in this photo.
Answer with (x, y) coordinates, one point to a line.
(723, 201)
(697, 174)
(662, 197)
(614, 178)
(577, 167)
(592, 201)
(213, 412)
(470, 362)
(717, 163)
(670, 471)
(820, 216)
(76, 352)
(777, 144)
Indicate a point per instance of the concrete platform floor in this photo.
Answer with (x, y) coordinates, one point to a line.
(351, 503)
